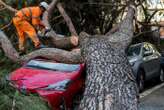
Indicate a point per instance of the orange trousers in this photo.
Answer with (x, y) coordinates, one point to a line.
(25, 28)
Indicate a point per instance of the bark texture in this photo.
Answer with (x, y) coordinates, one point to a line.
(110, 84)
(124, 33)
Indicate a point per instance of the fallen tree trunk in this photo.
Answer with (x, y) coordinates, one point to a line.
(110, 83)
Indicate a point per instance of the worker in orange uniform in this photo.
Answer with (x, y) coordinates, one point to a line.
(27, 22)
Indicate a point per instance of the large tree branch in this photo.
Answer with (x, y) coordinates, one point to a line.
(55, 54)
(124, 33)
(50, 53)
(60, 42)
(7, 47)
(47, 14)
(67, 19)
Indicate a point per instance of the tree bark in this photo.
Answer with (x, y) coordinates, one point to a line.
(110, 83)
(62, 42)
(124, 31)
(8, 49)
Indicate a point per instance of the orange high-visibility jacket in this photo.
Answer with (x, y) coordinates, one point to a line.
(30, 14)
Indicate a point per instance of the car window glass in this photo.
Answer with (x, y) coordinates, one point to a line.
(134, 50)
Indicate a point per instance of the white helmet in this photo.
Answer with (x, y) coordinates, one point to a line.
(44, 5)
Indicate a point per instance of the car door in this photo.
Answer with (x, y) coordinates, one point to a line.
(148, 61)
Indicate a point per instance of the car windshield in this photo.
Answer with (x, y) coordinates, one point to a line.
(134, 50)
(53, 66)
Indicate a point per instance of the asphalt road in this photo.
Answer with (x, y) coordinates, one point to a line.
(152, 99)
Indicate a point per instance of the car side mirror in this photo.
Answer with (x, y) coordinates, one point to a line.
(147, 53)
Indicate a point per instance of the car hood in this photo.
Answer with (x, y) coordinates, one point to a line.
(35, 78)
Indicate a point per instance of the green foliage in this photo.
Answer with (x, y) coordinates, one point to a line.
(10, 97)
(6, 66)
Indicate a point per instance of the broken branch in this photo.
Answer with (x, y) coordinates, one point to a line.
(67, 19)
(8, 7)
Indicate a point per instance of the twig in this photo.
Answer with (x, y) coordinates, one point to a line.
(156, 9)
(150, 24)
(57, 17)
(13, 104)
(144, 33)
(6, 26)
(2, 8)
(7, 6)
(104, 4)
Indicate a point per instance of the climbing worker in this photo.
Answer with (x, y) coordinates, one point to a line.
(27, 22)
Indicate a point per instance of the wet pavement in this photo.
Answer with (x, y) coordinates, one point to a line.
(153, 101)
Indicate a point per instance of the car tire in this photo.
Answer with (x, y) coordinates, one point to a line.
(140, 80)
(63, 105)
(77, 99)
(161, 77)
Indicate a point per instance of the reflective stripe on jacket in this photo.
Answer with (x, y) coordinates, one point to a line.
(30, 14)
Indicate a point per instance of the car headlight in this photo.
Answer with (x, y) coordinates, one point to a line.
(61, 86)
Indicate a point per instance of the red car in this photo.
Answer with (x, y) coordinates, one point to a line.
(57, 83)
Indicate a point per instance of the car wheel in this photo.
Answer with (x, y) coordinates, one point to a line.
(77, 99)
(140, 81)
(161, 77)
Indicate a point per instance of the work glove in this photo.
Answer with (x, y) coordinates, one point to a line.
(46, 31)
(40, 34)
